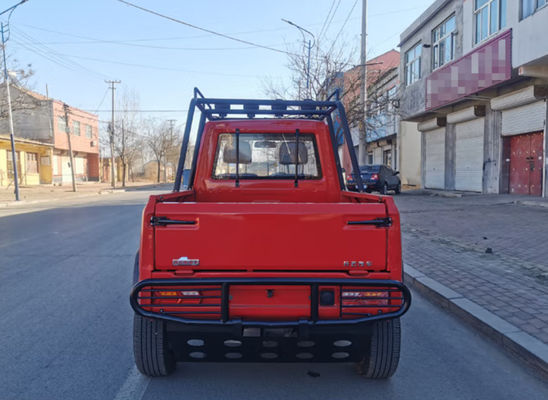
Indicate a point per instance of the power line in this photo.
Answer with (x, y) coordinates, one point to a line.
(342, 27)
(205, 29)
(330, 20)
(326, 18)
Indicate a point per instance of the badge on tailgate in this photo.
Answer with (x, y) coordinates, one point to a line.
(177, 262)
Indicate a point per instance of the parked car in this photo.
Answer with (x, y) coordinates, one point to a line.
(265, 256)
(380, 178)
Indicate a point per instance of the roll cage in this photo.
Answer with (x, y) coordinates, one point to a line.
(213, 109)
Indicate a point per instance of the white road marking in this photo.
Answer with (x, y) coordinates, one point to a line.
(134, 387)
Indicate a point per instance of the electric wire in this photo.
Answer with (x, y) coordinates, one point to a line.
(342, 27)
(205, 29)
(326, 18)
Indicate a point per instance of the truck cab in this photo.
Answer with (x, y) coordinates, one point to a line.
(266, 256)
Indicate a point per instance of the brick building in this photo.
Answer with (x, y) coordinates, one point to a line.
(39, 129)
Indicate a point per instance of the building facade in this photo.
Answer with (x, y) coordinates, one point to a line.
(39, 129)
(474, 78)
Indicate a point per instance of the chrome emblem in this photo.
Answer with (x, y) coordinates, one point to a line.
(185, 261)
(359, 263)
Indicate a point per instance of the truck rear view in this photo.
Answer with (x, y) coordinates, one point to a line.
(266, 256)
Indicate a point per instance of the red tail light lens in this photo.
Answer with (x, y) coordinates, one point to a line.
(373, 298)
(375, 177)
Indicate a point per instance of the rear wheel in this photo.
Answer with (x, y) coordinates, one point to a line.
(384, 188)
(383, 356)
(153, 356)
(398, 188)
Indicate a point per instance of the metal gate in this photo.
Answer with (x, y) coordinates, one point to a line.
(526, 164)
(434, 174)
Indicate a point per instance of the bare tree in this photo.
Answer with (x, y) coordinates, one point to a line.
(163, 143)
(128, 141)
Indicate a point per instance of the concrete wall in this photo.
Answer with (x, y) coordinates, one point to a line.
(527, 46)
(412, 100)
(31, 116)
(409, 152)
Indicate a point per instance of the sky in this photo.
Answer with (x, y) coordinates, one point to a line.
(75, 45)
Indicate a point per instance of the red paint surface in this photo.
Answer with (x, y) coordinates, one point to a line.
(269, 228)
(526, 164)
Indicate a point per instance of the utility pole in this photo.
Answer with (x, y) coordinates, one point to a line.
(67, 130)
(170, 141)
(4, 27)
(111, 137)
(363, 87)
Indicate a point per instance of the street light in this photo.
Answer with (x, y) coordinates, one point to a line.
(5, 30)
(310, 45)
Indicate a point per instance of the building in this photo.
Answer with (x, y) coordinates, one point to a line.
(474, 77)
(40, 122)
(382, 123)
(33, 161)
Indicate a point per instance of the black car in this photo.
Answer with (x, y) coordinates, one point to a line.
(376, 177)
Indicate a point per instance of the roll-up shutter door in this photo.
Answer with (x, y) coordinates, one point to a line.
(469, 155)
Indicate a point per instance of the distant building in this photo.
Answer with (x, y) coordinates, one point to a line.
(474, 78)
(40, 122)
(382, 122)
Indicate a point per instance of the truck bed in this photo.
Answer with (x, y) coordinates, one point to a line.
(271, 236)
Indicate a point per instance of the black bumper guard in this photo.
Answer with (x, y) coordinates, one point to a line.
(150, 286)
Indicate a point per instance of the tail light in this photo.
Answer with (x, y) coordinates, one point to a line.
(375, 177)
(361, 298)
(349, 177)
(178, 297)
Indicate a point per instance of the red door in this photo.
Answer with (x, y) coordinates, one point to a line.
(526, 164)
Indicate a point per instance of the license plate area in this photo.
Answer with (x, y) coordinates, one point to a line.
(269, 302)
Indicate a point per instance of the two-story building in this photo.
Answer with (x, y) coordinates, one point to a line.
(41, 141)
(474, 76)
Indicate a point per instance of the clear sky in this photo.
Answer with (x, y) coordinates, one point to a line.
(74, 45)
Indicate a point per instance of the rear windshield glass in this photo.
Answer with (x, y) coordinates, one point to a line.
(267, 156)
(370, 168)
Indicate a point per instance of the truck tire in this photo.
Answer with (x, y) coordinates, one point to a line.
(153, 356)
(384, 350)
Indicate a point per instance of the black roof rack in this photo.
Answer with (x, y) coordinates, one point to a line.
(216, 109)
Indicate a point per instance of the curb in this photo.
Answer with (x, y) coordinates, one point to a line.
(518, 343)
(530, 203)
(14, 204)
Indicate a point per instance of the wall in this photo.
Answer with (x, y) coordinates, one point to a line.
(31, 115)
(44, 175)
(409, 152)
(526, 45)
(412, 100)
(79, 143)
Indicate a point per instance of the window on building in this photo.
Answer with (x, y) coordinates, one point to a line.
(529, 7)
(76, 128)
(443, 43)
(489, 17)
(370, 158)
(89, 132)
(61, 124)
(32, 163)
(413, 64)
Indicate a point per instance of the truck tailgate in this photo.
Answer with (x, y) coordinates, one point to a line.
(270, 236)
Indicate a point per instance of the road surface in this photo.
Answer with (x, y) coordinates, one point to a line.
(65, 275)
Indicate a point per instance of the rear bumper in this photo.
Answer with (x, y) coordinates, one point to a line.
(145, 302)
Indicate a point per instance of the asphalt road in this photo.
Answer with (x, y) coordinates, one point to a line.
(65, 331)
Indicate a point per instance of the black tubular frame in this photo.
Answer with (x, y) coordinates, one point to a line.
(314, 284)
(216, 109)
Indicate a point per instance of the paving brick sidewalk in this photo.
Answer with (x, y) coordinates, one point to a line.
(486, 248)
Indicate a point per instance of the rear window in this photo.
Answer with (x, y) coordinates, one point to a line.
(267, 156)
(370, 168)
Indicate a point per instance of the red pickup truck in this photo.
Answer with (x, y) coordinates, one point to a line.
(266, 256)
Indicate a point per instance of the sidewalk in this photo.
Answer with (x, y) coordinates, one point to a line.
(44, 193)
(484, 258)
